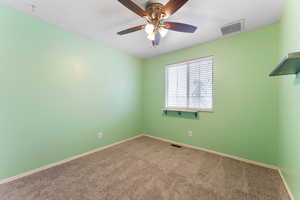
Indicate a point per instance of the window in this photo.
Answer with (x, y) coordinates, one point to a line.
(189, 85)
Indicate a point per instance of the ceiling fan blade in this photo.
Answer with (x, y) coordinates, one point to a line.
(133, 29)
(133, 7)
(180, 27)
(156, 41)
(173, 5)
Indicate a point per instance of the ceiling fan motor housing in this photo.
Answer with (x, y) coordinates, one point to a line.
(156, 11)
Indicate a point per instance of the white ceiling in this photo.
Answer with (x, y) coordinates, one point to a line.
(100, 20)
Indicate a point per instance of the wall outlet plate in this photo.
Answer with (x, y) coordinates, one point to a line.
(99, 135)
(190, 133)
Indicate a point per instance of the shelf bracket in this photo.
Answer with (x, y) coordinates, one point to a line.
(180, 112)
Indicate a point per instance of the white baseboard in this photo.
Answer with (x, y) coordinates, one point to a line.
(286, 185)
(10, 179)
(232, 157)
(215, 152)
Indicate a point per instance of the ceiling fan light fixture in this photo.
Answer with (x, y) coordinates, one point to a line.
(163, 32)
(149, 28)
(151, 36)
(154, 15)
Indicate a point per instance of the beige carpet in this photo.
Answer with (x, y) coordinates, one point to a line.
(148, 169)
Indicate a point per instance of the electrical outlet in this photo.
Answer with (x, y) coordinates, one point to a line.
(190, 133)
(99, 135)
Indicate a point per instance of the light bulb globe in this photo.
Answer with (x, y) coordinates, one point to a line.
(163, 32)
(149, 28)
(151, 36)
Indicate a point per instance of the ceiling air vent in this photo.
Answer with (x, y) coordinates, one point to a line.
(233, 28)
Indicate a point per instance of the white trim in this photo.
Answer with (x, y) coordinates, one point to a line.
(215, 152)
(28, 173)
(286, 185)
(232, 157)
(13, 178)
(187, 63)
(185, 110)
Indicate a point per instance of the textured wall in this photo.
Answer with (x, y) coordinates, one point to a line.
(244, 121)
(57, 91)
(289, 98)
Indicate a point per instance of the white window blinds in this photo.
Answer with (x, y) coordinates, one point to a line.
(189, 85)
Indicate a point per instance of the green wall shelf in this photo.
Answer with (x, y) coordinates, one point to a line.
(180, 111)
(289, 65)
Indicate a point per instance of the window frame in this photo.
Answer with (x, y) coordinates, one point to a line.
(173, 108)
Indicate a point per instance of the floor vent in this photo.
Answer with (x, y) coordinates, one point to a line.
(176, 145)
(233, 28)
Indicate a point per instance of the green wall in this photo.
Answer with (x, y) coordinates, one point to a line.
(57, 91)
(244, 121)
(289, 98)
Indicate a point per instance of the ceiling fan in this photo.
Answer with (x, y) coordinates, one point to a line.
(155, 15)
